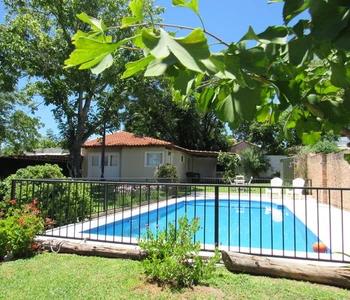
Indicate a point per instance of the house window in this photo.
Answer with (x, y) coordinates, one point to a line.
(189, 164)
(154, 159)
(182, 159)
(95, 160)
(113, 161)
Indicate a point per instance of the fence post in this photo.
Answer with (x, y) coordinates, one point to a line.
(13, 189)
(216, 237)
(105, 197)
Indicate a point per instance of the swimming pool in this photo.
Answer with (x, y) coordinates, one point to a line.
(250, 224)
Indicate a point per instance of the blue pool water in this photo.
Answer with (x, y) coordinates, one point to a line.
(242, 223)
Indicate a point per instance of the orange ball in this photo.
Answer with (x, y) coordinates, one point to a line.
(319, 247)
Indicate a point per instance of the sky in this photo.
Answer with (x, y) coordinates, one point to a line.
(227, 19)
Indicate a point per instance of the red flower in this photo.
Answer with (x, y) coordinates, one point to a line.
(21, 221)
(35, 202)
(13, 201)
(34, 246)
(48, 220)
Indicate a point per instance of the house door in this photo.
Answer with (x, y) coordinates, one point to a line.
(111, 165)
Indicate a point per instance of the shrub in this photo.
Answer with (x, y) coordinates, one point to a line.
(18, 227)
(254, 161)
(32, 172)
(166, 172)
(325, 147)
(230, 163)
(64, 202)
(172, 256)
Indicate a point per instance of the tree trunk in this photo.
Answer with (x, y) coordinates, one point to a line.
(83, 248)
(244, 263)
(75, 159)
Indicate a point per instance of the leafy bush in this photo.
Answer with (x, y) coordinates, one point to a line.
(62, 201)
(325, 147)
(254, 161)
(18, 227)
(32, 172)
(172, 256)
(230, 163)
(166, 172)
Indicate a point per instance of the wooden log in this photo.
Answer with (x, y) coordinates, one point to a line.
(89, 249)
(258, 265)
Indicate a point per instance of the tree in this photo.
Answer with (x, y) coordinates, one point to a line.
(254, 161)
(230, 162)
(48, 141)
(18, 131)
(304, 66)
(37, 40)
(268, 136)
(154, 114)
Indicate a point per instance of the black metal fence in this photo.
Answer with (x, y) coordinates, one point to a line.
(307, 223)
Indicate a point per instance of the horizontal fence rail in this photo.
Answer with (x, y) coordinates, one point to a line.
(304, 223)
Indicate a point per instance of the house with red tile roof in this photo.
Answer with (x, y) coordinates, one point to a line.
(131, 156)
(241, 146)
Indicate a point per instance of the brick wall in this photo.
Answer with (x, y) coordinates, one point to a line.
(333, 171)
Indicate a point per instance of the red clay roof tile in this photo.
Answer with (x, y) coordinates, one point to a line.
(123, 138)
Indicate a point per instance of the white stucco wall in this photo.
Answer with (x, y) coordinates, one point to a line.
(205, 166)
(275, 161)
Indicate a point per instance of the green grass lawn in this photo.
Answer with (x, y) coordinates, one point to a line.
(62, 276)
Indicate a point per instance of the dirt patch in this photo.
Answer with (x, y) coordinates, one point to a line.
(196, 292)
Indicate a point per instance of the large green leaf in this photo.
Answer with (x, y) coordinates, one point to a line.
(308, 127)
(218, 60)
(292, 8)
(300, 50)
(340, 75)
(158, 66)
(311, 138)
(290, 90)
(137, 66)
(254, 60)
(343, 40)
(337, 19)
(96, 24)
(192, 4)
(300, 27)
(326, 87)
(263, 113)
(335, 112)
(205, 99)
(105, 63)
(233, 67)
(136, 8)
(240, 103)
(90, 51)
(189, 50)
(273, 34)
(184, 81)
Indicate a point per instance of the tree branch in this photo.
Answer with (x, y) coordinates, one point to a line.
(175, 26)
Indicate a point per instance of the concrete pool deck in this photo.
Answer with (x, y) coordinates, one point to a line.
(330, 224)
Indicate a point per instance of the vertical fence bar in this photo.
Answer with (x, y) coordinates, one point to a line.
(105, 197)
(216, 236)
(330, 222)
(342, 224)
(13, 189)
